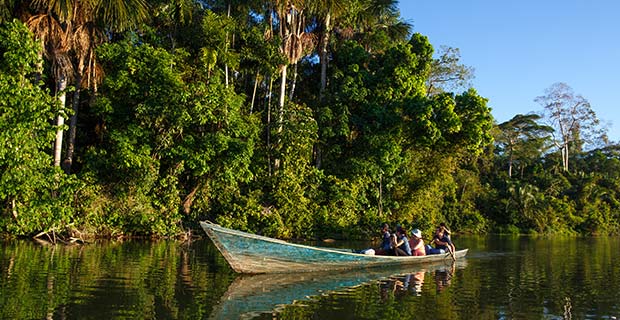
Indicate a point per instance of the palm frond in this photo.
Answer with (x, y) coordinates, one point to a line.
(56, 43)
(62, 66)
(93, 75)
(63, 9)
(86, 38)
(50, 32)
(120, 15)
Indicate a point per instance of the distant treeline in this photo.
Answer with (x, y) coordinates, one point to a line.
(286, 118)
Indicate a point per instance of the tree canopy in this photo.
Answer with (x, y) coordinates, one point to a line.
(285, 118)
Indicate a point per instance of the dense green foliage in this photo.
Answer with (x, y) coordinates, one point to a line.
(35, 196)
(183, 115)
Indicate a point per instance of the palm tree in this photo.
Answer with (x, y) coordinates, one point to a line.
(295, 40)
(354, 19)
(55, 42)
(169, 15)
(70, 31)
(89, 18)
(47, 20)
(86, 37)
(373, 17)
(327, 13)
(121, 15)
(7, 9)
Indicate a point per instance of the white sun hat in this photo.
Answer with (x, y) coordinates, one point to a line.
(416, 233)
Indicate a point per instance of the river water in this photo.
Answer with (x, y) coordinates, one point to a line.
(501, 278)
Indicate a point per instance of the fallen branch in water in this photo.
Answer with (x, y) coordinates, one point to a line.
(52, 237)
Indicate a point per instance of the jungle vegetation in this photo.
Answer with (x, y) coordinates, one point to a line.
(290, 118)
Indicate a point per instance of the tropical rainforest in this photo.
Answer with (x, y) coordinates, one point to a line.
(289, 118)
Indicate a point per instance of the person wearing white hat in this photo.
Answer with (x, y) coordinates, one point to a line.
(416, 243)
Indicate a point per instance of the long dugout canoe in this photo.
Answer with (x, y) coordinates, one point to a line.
(255, 254)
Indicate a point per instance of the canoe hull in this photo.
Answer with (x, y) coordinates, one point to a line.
(254, 254)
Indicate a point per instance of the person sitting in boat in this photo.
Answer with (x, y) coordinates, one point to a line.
(446, 233)
(400, 243)
(386, 241)
(441, 242)
(416, 243)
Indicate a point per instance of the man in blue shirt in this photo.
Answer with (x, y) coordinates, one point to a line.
(386, 241)
(441, 241)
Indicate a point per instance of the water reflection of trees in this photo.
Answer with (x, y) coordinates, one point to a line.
(532, 278)
(110, 280)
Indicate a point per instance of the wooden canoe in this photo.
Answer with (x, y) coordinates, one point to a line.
(254, 254)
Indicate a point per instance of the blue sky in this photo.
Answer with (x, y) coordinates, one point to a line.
(520, 48)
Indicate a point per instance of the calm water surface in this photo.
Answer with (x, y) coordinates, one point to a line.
(502, 278)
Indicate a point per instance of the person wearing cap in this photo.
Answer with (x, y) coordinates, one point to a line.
(416, 243)
(446, 233)
(386, 241)
(441, 242)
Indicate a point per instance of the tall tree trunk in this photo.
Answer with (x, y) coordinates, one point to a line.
(565, 154)
(510, 165)
(254, 92)
(317, 155)
(282, 99)
(324, 60)
(269, 93)
(562, 153)
(61, 86)
(323, 54)
(73, 126)
(39, 65)
(226, 75)
(276, 162)
(14, 208)
(294, 83)
(226, 50)
(380, 195)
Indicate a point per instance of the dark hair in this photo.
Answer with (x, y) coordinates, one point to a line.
(385, 225)
(401, 230)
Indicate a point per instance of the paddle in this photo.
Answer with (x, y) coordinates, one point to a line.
(451, 253)
(449, 247)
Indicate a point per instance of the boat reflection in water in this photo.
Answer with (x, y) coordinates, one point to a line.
(400, 285)
(248, 296)
(411, 283)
